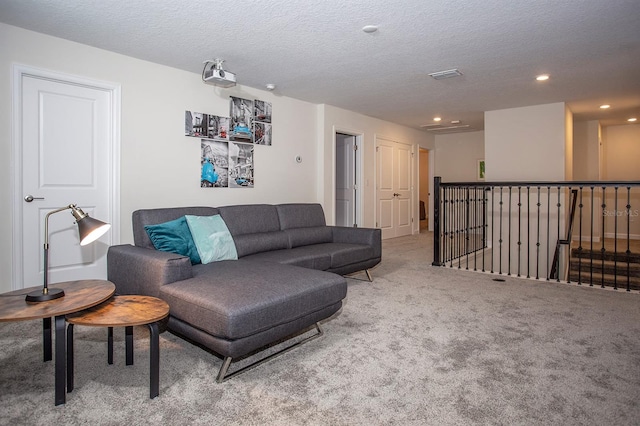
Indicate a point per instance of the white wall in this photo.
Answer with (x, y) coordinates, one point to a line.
(586, 153)
(621, 152)
(526, 143)
(457, 156)
(159, 166)
(339, 120)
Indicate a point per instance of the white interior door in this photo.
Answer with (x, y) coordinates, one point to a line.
(345, 180)
(393, 188)
(66, 144)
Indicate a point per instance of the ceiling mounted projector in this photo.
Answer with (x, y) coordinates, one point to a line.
(213, 73)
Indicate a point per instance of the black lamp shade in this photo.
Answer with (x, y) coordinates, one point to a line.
(91, 229)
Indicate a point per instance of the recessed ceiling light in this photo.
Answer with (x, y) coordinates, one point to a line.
(437, 118)
(542, 77)
(605, 106)
(632, 119)
(270, 86)
(370, 29)
(455, 121)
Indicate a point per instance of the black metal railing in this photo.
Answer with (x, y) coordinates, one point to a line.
(534, 230)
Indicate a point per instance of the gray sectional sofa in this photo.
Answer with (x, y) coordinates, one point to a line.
(286, 279)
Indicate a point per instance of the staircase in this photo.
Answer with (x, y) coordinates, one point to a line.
(608, 268)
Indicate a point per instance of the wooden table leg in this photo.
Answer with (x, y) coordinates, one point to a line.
(128, 343)
(46, 339)
(154, 360)
(61, 360)
(70, 360)
(110, 346)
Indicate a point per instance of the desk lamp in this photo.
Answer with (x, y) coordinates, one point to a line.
(90, 229)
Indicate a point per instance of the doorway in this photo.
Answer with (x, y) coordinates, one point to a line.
(66, 151)
(394, 195)
(346, 180)
(424, 189)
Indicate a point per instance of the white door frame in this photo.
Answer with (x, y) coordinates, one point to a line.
(358, 178)
(19, 72)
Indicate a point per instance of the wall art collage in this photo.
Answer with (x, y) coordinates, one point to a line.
(227, 143)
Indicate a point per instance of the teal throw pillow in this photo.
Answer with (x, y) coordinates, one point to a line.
(174, 237)
(212, 238)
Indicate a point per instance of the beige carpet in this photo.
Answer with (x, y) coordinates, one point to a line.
(420, 345)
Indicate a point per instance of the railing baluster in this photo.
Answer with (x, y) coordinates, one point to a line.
(538, 240)
(474, 221)
(615, 239)
(528, 231)
(509, 236)
(628, 238)
(603, 249)
(493, 227)
(519, 226)
(591, 248)
(570, 202)
(558, 238)
(451, 225)
(580, 241)
(466, 224)
(548, 226)
(500, 240)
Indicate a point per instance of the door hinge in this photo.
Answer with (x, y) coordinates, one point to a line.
(377, 148)
(355, 147)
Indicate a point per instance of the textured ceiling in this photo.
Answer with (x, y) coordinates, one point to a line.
(316, 50)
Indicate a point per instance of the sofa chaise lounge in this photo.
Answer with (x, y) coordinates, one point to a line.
(287, 277)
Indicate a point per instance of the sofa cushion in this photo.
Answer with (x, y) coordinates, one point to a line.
(143, 217)
(307, 236)
(255, 228)
(345, 254)
(212, 238)
(174, 236)
(304, 224)
(300, 215)
(250, 219)
(341, 254)
(313, 257)
(256, 243)
(249, 296)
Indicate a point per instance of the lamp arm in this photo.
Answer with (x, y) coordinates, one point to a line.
(46, 222)
(46, 243)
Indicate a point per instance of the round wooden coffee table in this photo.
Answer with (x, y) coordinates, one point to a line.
(123, 311)
(78, 295)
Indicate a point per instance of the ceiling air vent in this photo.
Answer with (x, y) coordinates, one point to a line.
(441, 75)
(434, 129)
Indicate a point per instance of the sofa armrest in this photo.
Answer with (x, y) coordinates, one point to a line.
(138, 270)
(369, 236)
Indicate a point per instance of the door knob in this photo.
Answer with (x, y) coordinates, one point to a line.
(30, 198)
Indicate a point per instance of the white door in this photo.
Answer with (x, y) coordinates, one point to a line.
(393, 188)
(66, 142)
(345, 180)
